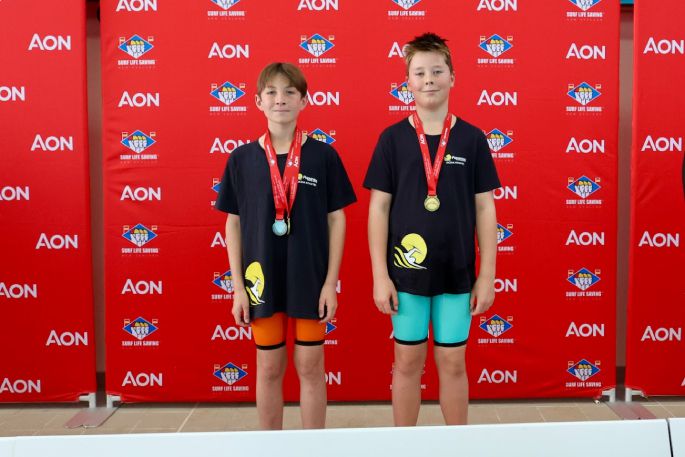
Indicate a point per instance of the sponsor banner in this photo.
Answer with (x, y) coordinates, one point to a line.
(168, 134)
(45, 272)
(654, 336)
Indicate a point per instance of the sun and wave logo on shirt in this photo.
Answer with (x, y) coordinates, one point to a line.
(411, 253)
(254, 276)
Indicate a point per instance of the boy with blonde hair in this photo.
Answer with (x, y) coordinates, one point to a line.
(431, 179)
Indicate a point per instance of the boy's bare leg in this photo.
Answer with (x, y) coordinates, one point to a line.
(310, 369)
(454, 385)
(271, 365)
(406, 383)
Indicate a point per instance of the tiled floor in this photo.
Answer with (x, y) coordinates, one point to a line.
(145, 418)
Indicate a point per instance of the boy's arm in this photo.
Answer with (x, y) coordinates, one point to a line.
(384, 292)
(328, 300)
(483, 294)
(241, 309)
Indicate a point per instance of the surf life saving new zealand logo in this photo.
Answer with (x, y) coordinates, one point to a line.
(496, 46)
(216, 187)
(584, 280)
(330, 328)
(138, 143)
(400, 92)
(226, 98)
(497, 141)
(135, 48)
(496, 326)
(504, 233)
(223, 281)
(316, 46)
(583, 370)
(584, 189)
(406, 9)
(230, 376)
(140, 329)
(320, 135)
(585, 97)
(139, 236)
(584, 10)
(224, 9)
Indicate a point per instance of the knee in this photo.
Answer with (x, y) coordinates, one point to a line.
(271, 371)
(409, 364)
(310, 368)
(450, 365)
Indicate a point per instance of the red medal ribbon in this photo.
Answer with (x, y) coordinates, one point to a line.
(284, 189)
(432, 171)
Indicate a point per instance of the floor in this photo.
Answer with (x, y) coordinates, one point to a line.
(24, 420)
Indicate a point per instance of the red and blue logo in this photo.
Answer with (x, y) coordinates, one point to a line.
(138, 141)
(402, 93)
(583, 279)
(139, 235)
(503, 233)
(316, 45)
(322, 136)
(583, 186)
(225, 4)
(227, 93)
(497, 139)
(583, 93)
(585, 4)
(140, 328)
(135, 46)
(495, 325)
(495, 45)
(224, 282)
(583, 370)
(230, 373)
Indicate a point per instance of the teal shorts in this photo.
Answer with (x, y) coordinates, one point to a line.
(449, 313)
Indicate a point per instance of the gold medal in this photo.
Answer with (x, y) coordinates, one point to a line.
(431, 203)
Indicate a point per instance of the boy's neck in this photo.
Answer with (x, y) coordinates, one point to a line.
(432, 120)
(432, 116)
(282, 136)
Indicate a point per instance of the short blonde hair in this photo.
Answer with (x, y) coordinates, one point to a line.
(428, 42)
(292, 73)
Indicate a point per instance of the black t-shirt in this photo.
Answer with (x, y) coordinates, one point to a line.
(284, 273)
(432, 253)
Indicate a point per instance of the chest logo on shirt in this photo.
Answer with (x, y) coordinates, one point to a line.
(454, 160)
(307, 180)
(254, 278)
(411, 253)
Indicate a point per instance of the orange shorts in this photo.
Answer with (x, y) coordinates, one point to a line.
(270, 332)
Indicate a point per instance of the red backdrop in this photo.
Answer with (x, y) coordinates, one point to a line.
(539, 77)
(46, 303)
(655, 348)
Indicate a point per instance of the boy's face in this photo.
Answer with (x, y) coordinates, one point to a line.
(280, 101)
(429, 79)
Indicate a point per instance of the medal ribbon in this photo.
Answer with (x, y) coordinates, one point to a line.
(432, 171)
(284, 189)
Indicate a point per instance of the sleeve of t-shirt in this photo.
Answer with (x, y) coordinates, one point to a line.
(227, 200)
(486, 174)
(339, 188)
(379, 175)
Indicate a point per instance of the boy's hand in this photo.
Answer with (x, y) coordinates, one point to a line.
(385, 296)
(241, 308)
(328, 303)
(482, 296)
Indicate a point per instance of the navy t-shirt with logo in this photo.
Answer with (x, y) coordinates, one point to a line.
(432, 253)
(284, 274)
